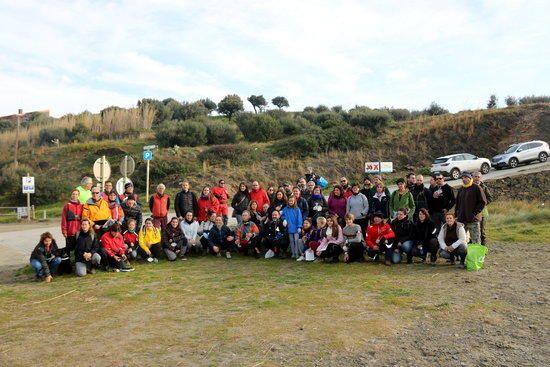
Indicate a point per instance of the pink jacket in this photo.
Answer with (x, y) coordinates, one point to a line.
(331, 239)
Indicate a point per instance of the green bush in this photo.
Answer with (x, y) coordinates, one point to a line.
(45, 136)
(373, 120)
(259, 127)
(182, 133)
(534, 99)
(237, 154)
(297, 146)
(343, 138)
(220, 132)
(293, 125)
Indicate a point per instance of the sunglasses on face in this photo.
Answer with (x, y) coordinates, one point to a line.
(439, 178)
(95, 193)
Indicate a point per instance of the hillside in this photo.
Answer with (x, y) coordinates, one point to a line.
(410, 144)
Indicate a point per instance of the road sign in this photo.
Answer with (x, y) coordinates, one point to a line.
(102, 169)
(147, 155)
(127, 166)
(28, 185)
(120, 184)
(378, 167)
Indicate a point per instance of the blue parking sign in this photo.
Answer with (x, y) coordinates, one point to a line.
(147, 155)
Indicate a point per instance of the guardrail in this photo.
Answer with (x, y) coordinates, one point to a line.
(14, 211)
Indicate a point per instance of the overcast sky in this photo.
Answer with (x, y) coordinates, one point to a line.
(70, 56)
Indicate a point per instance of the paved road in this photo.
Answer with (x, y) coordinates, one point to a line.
(18, 240)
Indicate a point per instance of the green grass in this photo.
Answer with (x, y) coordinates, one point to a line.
(518, 221)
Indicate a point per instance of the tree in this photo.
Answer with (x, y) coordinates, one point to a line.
(511, 101)
(209, 104)
(6, 125)
(259, 128)
(280, 102)
(162, 112)
(257, 102)
(182, 133)
(492, 103)
(230, 104)
(190, 111)
(435, 110)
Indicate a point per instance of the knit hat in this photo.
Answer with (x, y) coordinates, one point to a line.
(128, 184)
(466, 174)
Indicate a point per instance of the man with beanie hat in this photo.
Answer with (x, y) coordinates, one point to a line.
(470, 202)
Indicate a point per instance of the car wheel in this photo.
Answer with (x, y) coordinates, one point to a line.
(543, 157)
(513, 162)
(455, 173)
(485, 168)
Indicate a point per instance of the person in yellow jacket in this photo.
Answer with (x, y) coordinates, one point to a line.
(150, 246)
(96, 210)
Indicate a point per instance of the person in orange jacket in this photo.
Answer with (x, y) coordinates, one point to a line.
(159, 204)
(379, 239)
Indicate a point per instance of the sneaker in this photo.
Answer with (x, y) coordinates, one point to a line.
(155, 260)
(269, 254)
(228, 255)
(149, 259)
(301, 258)
(127, 270)
(375, 258)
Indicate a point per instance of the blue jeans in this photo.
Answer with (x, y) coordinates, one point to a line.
(295, 244)
(52, 265)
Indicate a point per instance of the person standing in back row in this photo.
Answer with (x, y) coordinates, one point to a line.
(402, 199)
(421, 196)
(470, 202)
(222, 194)
(186, 201)
(442, 200)
(485, 213)
(159, 204)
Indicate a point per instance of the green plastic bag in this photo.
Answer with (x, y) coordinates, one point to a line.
(476, 256)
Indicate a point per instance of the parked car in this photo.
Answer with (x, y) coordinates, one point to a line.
(453, 165)
(536, 150)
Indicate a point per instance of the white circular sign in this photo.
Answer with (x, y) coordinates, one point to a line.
(127, 166)
(120, 184)
(102, 169)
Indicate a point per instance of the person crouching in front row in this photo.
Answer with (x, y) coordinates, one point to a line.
(452, 240)
(379, 240)
(150, 247)
(114, 250)
(174, 242)
(220, 238)
(86, 253)
(45, 258)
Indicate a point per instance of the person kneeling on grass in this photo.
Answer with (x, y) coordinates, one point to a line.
(220, 238)
(174, 242)
(86, 251)
(131, 239)
(45, 257)
(114, 250)
(275, 237)
(403, 229)
(150, 247)
(353, 240)
(247, 235)
(379, 239)
(452, 240)
(190, 229)
(425, 237)
(305, 234)
(331, 245)
(204, 230)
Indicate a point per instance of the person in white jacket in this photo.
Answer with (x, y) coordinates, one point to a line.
(452, 240)
(190, 228)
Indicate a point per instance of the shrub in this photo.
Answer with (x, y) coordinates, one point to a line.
(6, 125)
(511, 101)
(399, 114)
(295, 125)
(237, 154)
(328, 119)
(435, 110)
(297, 146)
(220, 132)
(182, 133)
(373, 120)
(259, 127)
(534, 99)
(343, 138)
(45, 136)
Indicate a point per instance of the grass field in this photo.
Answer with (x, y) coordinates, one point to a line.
(245, 312)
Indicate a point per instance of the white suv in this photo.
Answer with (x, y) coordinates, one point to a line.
(536, 150)
(453, 165)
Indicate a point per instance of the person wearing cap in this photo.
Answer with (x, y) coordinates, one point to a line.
(470, 202)
(222, 194)
(159, 204)
(379, 239)
(84, 189)
(131, 210)
(485, 213)
(402, 198)
(128, 190)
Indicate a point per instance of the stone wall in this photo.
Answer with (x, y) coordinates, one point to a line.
(529, 187)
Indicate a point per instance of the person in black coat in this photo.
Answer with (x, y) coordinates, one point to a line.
(240, 202)
(45, 257)
(425, 237)
(317, 204)
(86, 253)
(185, 201)
(442, 200)
(403, 229)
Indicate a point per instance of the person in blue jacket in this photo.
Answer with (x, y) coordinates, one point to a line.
(293, 217)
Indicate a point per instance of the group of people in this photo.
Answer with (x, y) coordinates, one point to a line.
(105, 229)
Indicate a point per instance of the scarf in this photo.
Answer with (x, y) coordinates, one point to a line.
(468, 184)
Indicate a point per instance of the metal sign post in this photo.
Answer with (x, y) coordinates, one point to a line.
(28, 188)
(147, 157)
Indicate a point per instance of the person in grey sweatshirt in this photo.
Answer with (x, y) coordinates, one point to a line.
(358, 205)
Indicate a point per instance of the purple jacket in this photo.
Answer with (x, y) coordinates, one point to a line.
(337, 205)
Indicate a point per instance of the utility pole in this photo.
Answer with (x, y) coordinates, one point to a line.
(15, 162)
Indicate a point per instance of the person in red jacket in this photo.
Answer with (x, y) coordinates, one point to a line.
(259, 195)
(159, 204)
(131, 239)
(221, 193)
(70, 221)
(114, 250)
(206, 203)
(379, 239)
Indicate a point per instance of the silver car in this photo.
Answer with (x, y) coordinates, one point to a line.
(536, 150)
